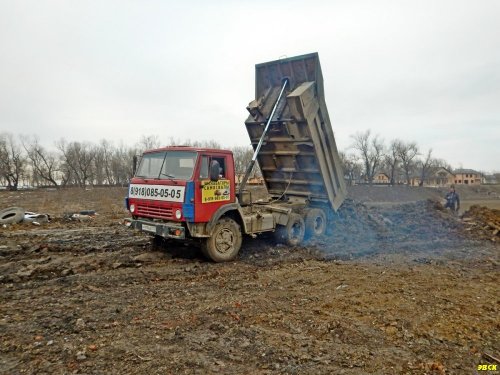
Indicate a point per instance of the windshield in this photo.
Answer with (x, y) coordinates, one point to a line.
(165, 165)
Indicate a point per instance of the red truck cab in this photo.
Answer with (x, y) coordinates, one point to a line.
(187, 193)
(172, 186)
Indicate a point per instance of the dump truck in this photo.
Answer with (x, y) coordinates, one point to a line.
(191, 193)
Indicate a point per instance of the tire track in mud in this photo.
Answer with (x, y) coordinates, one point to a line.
(51, 253)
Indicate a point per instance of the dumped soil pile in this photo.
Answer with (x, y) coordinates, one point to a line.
(360, 230)
(482, 222)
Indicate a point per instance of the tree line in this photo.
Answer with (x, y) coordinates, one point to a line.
(400, 160)
(25, 161)
(79, 163)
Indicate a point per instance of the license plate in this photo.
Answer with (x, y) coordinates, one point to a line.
(149, 228)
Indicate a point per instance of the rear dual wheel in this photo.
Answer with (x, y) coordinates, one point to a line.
(315, 222)
(293, 232)
(297, 228)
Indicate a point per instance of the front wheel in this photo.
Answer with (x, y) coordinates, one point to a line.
(225, 242)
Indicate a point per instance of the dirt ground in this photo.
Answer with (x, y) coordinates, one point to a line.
(399, 286)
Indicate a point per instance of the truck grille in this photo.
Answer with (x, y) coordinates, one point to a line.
(155, 211)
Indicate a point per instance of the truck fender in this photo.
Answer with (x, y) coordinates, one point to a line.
(223, 210)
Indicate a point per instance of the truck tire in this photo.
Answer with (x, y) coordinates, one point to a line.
(12, 215)
(224, 243)
(293, 232)
(315, 223)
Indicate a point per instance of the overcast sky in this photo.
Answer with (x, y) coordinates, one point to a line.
(422, 70)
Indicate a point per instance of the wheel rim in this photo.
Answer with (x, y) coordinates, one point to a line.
(318, 224)
(295, 231)
(224, 241)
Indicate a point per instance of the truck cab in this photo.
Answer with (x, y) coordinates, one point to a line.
(177, 192)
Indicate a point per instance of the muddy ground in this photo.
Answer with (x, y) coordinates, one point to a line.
(398, 286)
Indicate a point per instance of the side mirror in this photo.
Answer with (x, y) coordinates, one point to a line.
(214, 170)
(134, 164)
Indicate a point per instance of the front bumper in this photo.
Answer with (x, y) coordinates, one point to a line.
(166, 230)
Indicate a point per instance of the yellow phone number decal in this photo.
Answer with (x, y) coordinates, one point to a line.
(215, 191)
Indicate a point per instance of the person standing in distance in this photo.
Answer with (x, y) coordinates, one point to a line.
(452, 200)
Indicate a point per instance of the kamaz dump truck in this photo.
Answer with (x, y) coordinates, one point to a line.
(190, 193)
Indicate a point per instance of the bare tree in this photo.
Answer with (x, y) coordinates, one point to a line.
(78, 158)
(4, 160)
(122, 163)
(43, 163)
(392, 161)
(242, 157)
(211, 143)
(148, 142)
(107, 150)
(407, 151)
(441, 163)
(68, 168)
(426, 165)
(351, 166)
(12, 160)
(371, 150)
(98, 173)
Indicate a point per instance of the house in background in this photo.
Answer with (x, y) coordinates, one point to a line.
(381, 178)
(436, 177)
(255, 180)
(441, 177)
(467, 177)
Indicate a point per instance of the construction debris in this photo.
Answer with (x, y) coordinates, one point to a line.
(483, 222)
(84, 215)
(15, 215)
(35, 218)
(11, 215)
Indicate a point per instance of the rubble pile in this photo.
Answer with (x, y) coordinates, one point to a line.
(482, 222)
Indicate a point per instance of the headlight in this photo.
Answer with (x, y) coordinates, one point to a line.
(178, 214)
(132, 208)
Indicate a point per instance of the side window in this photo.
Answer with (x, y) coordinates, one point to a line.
(204, 167)
(222, 164)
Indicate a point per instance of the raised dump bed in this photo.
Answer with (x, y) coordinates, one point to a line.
(298, 158)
